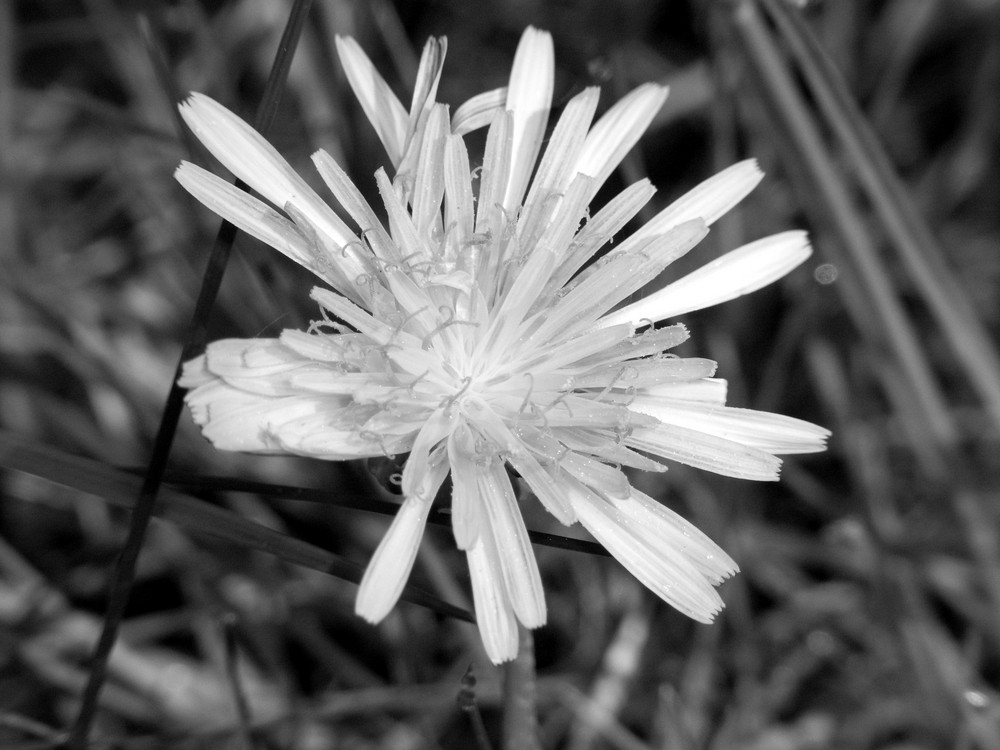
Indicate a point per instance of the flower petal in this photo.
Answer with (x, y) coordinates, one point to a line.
(390, 566)
(710, 200)
(384, 111)
(459, 215)
(611, 282)
(618, 130)
(706, 451)
(428, 78)
(660, 526)
(348, 195)
(254, 217)
(601, 229)
(436, 428)
(245, 153)
(529, 97)
(663, 569)
(237, 420)
(466, 510)
(774, 433)
(494, 613)
(555, 170)
(736, 273)
(520, 570)
(479, 111)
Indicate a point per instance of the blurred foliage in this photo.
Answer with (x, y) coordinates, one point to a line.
(867, 614)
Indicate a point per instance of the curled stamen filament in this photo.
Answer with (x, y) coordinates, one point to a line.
(527, 396)
(355, 241)
(398, 329)
(449, 401)
(316, 327)
(556, 402)
(426, 344)
(412, 385)
(374, 437)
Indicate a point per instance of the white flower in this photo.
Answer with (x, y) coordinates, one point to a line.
(475, 331)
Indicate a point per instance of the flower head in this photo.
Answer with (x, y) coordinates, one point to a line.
(474, 330)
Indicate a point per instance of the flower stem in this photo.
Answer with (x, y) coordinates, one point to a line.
(520, 720)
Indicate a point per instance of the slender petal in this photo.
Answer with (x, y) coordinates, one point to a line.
(773, 433)
(384, 111)
(618, 131)
(710, 200)
(529, 97)
(706, 451)
(736, 273)
(662, 568)
(390, 566)
(478, 112)
(517, 564)
(494, 613)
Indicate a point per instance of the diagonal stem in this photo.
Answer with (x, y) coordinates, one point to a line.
(806, 142)
(125, 567)
(903, 222)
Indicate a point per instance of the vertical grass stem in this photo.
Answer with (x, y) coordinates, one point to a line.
(124, 572)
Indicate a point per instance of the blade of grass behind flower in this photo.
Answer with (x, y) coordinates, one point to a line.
(119, 488)
(437, 516)
(894, 332)
(124, 573)
(904, 224)
(132, 65)
(923, 258)
(390, 26)
(8, 210)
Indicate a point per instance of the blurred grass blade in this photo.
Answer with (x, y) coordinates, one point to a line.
(810, 153)
(903, 222)
(197, 516)
(124, 572)
(437, 516)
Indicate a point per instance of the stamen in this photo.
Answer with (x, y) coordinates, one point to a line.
(630, 394)
(541, 415)
(527, 396)
(444, 309)
(374, 437)
(319, 262)
(399, 329)
(620, 375)
(411, 386)
(559, 400)
(317, 326)
(406, 258)
(343, 249)
(448, 402)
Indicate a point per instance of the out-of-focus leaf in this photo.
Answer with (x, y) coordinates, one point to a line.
(120, 488)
